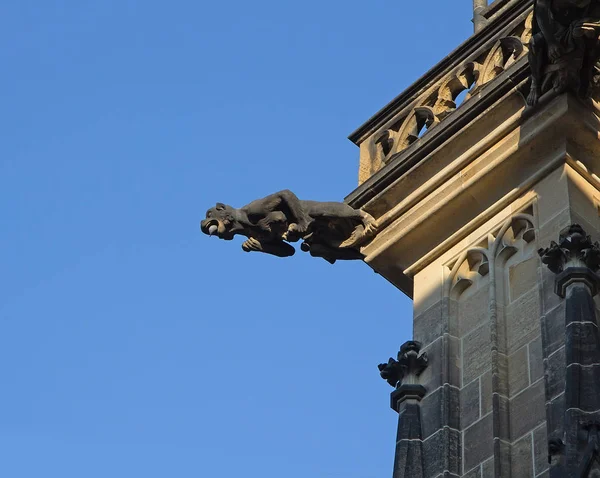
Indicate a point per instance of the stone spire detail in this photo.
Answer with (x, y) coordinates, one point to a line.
(574, 450)
(405, 399)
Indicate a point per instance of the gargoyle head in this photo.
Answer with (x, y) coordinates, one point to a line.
(220, 222)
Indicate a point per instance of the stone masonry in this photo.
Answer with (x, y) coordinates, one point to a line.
(464, 196)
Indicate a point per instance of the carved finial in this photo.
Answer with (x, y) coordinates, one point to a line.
(408, 366)
(574, 249)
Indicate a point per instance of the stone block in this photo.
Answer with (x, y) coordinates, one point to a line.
(454, 361)
(540, 449)
(442, 453)
(433, 376)
(428, 287)
(428, 326)
(486, 393)
(585, 395)
(487, 469)
(536, 359)
(474, 473)
(521, 458)
(444, 363)
(469, 404)
(555, 410)
(527, 410)
(440, 408)
(553, 329)
(555, 373)
(504, 416)
(502, 378)
(518, 371)
(523, 277)
(473, 310)
(584, 339)
(552, 194)
(476, 353)
(479, 443)
(504, 468)
(522, 321)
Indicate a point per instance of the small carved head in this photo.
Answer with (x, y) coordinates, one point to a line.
(219, 222)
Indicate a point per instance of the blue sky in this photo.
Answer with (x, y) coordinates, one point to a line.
(130, 343)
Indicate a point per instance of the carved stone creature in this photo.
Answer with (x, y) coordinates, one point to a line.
(330, 230)
(563, 50)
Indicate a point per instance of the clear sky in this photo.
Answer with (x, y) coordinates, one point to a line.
(133, 345)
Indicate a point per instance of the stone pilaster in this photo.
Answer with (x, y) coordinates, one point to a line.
(574, 450)
(405, 399)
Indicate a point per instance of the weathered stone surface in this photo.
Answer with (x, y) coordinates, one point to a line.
(553, 329)
(518, 371)
(442, 453)
(549, 299)
(479, 444)
(454, 361)
(503, 417)
(469, 404)
(474, 473)
(486, 393)
(540, 449)
(476, 353)
(440, 408)
(583, 387)
(473, 311)
(521, 458)
(523, 277)
(527, 410)
(522, 320)
(555, 374)
(433, 376)
(487, 469)
(536, 359)
(584, 338)
(555, 413)
(429, 326)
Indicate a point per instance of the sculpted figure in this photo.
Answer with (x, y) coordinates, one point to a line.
(331, 230)
(563, 50)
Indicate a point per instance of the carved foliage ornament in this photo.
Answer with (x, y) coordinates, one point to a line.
(574, 249)
(408, 366)
(331, 230)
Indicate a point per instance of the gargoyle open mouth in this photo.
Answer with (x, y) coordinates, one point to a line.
(210, 227)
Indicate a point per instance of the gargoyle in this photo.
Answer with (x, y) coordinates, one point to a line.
(331, 230)
(563, 50)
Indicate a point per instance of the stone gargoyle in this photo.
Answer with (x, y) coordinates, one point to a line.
(564, 47)
(331, 230)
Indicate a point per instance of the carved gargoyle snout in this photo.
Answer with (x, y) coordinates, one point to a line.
(218, 222)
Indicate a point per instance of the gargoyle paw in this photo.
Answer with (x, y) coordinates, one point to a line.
(295, 232)
(252, 245)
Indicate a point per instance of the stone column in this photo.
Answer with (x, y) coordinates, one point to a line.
(574, 450)
(405, 399)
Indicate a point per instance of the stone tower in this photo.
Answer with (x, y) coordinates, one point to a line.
(479, 197)
(484, 210)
